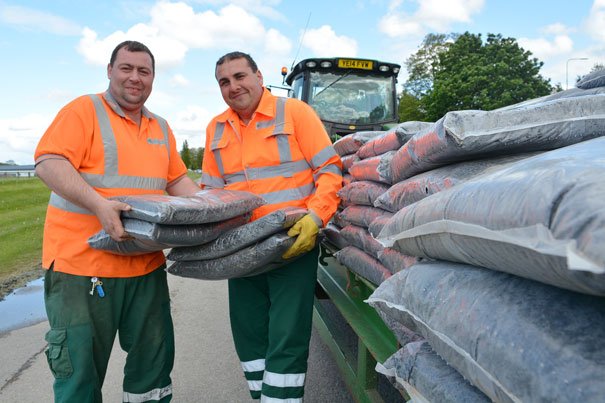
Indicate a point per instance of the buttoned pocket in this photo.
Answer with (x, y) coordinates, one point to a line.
(57, 353)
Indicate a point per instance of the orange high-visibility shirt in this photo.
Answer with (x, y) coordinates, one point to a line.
(142, 152)
(289, 162)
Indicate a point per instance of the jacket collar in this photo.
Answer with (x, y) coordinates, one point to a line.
(118, 110)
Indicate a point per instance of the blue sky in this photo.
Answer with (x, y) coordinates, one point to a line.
(54, 51)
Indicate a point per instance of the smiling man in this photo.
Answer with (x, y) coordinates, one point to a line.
(100, 146)
(276, 148)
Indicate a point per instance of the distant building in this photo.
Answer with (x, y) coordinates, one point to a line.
(20, 171)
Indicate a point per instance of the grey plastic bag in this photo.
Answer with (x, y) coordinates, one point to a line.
(471, 134)
(240, 237)
(252, 260)
(205, 206)
(151, 237)
(542, 218)
(517, 340)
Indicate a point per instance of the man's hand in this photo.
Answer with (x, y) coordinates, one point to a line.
(108, 213)
(306, 228)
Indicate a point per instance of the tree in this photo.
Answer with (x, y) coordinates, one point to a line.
(197, 156)
(471, 74)
(410, 108)
(186, 154)
(422, 64)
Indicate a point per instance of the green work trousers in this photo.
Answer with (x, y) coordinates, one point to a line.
(271, 317)
(83, 328)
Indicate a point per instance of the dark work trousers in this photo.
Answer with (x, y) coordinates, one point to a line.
(83, 329)
(271, 317)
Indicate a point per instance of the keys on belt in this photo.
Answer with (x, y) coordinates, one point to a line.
(98, 286)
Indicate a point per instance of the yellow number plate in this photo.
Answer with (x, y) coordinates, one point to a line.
(355, 64)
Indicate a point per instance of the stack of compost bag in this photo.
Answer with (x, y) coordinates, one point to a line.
(505, 209)
(158, 222)
(250, 249)
(209, 233)
(368, 178)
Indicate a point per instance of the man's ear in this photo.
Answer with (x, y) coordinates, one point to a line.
(260, 76)
(109, 71)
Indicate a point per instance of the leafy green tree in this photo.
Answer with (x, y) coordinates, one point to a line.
(410, 108)
(471, 74)
(186, 154)
(197, 156)
(421, 65)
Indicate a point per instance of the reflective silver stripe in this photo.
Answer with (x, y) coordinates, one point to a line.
(236, 177)
(284, 380)
(288, 194)
(110, 148)
(212, 181)
(267, 399)
(264, 124)
(255, 385)
(333, 169)
(65, 205)
(218, 135)
(322, 157)
(280, 115)
(283, 147)
(287, 170)
(283, 142)
(155, 394)
(123, 181)
(253, 366)
(164, 127)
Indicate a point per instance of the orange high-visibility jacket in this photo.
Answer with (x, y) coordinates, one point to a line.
(116, 157)
(283, 154)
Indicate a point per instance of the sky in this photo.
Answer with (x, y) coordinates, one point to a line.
(55, 51)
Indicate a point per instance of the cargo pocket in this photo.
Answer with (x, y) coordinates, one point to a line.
(57, 353)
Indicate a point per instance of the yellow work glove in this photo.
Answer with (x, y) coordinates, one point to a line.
(306, 228)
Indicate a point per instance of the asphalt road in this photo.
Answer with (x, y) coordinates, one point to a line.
(206, 366)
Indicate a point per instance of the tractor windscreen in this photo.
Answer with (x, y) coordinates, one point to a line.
(352, 98)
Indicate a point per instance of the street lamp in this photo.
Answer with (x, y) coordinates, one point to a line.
(567, 69)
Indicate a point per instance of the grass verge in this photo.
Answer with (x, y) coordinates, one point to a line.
(23, 204)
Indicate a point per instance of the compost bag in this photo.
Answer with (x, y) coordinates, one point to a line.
(417, 369)
(252, 260)
(237, 238)
(205, 206)
(471, 134)
(542, 218)
(151, 237)
(516, 340)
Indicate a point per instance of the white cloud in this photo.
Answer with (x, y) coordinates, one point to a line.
(19, 137)
(431, 15)
(323, 41)
(231, 27)
(400, 25)
(595, 22)
(543, 48)
(277, 43)
(167, 51)
(265, 8)
(35, 20)
(175, 28)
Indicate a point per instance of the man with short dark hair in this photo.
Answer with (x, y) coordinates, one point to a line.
(100, 146)
(279, 149)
